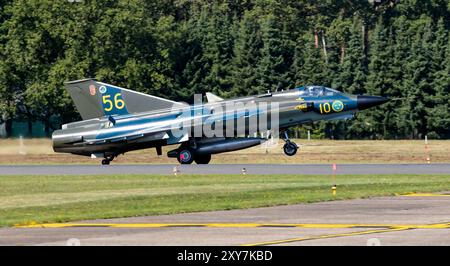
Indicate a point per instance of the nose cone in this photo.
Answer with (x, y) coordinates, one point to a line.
(365, 102)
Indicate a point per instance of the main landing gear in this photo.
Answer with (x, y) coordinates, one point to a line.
(289, 148)
(186, 155)
(202, 159)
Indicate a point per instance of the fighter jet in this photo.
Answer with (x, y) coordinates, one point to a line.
(118, 120)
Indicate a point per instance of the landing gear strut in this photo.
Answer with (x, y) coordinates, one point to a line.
(289, 148)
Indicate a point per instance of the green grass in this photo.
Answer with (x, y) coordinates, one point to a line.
(26, 199)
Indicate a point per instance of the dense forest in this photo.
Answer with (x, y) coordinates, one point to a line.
(175, 48)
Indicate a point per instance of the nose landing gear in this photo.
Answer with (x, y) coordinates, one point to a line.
(289, 148)
(108, 159)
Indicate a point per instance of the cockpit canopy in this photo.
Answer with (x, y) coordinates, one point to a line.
(314, 91)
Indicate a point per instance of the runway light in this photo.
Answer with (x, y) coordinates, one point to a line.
(427, 152)
(333, 189)
(22, 149)
(244, 171)
(176, 171)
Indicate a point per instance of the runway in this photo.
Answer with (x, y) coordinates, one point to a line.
(417, 219)
(270, 169)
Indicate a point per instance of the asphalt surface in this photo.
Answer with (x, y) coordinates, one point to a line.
(421, 219)
(311, 169)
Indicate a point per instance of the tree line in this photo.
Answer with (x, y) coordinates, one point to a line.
(176, 48)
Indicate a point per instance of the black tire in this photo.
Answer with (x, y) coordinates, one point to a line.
(105, 162)
(185, 156)
(202, 159)
(290, 149)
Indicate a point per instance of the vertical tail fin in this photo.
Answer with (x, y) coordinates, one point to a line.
(95, 99)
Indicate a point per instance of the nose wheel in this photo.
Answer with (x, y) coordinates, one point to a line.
(289, 148)
(108, 160)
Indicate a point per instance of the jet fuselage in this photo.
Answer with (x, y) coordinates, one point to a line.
(205, 128)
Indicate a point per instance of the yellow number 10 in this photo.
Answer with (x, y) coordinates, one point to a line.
(325, 108)
(118, 102)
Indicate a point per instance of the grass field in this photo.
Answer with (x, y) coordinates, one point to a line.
(39, 151)
(27, 199)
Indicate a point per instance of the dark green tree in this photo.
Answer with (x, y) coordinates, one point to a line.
(379, 81)
(247, 54)
(218, 50)
(309, 62)
(271, 69)
(417, 81)
(438, 115)
(354, 68)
